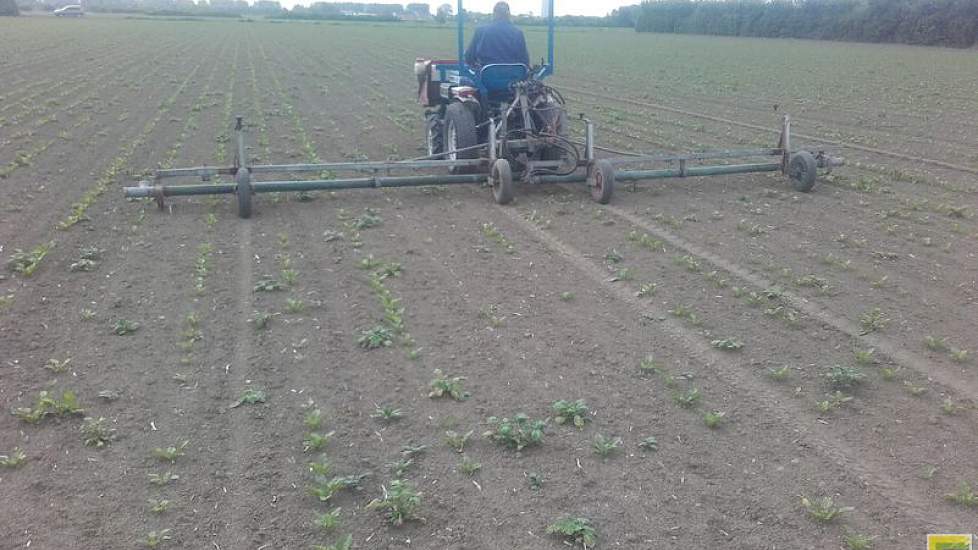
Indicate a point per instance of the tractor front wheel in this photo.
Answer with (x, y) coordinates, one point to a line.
(601, 181)
(434, 134)
(460, 136)
(501, 181)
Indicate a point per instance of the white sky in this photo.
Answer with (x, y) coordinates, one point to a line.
(562, 7)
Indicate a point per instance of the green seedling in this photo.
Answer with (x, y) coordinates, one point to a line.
(389, 270)
(290, 276)
(687, 399)
(368, 263)
(90, 253)
(649, 444)
(315, 441)
(411, 450)
(445, 386)
(605, 446)
(614, 257)
(575, 531)
(681, 311)
(914, 389)
(646, 290)
(934, 343)
(172, 453)
(624, 274)
(47, 405)
(566, 296)
(327, 521)
(865, 357)
(949, 408)
(376, 337)
(387, 413)
(928, 471)
(96, 432)
(294, 305)
(779, 375)
(468, 467)
(163, 479)
(959, 355)
(856, 541)
(250, 396)
(456, 440)
(399, 502)
(717, 279)
(57, 366)
(964, 496)
(845, 378)
(491, 232)
(124, 327)
(345, 543)
(689, 263)
(649, 366)
(26, 263)
(888, 374)
(155, 538)
(645, 240)
(368, 219)
(873, 321)
(575, 412)
(158, 506)
(325, 488)
(322, 468)
(210, 219)
(399, 468)
(535, 480)
(15, 459)
(261, 320)
(824, 509)
(727, 344)
(82, 265)
(268, 285)
(834, 401)
(87, 314)
(715, 419)
(517, 433)
(313, 419)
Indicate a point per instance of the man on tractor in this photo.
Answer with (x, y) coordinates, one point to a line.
(498, 42)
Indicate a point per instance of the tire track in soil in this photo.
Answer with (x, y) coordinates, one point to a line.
(869, 470)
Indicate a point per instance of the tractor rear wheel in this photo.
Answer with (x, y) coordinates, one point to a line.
(460, 133)
(501, 181)
(802, 170)
(601, 181)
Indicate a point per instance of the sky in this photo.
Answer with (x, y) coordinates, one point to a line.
(562, 7)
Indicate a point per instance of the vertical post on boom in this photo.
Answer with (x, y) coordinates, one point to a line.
(460, 18)
(551, 24)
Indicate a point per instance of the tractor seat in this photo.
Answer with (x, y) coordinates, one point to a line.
(496, 78)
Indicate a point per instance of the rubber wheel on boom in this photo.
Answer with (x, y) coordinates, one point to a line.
(434, 134)
(243, 191)
(802, 170)
(601, 181)
(501, 181)
(460, 133)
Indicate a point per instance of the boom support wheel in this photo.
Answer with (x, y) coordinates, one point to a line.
(501, 181)
(802, 171)
(601, 181)
(243, 192)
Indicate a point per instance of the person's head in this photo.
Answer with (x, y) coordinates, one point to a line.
(501, 11)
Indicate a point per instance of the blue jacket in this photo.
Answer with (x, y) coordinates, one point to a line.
(497, 42)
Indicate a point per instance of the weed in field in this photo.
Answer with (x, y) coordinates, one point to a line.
(389, 270)
(646, 290)
(445, 386)
(400, 502)
(294, 305)
(779, 375)
(322, 468)
(399, 468)
(47, 404)
(833, 402)
(202, 266)
(315, 441)
(172, 453)
(959, 355)
(457, 441)
(26, 263)
(717, 279)
(411, 450)
(873, 320)
(387, 413)
(124, 327)
(468, 466)
(687, 399)
(934, 343)
(865, 357)
(824, 509)
(517, 433)
(489, 313)
(928, 471)
(210, 219)
(715, 419)
(914, 389)
(649, 365)
(327, 521)
(96, 432)
(888, 374)
(268, 285)
(566, 296)
(261, 320)
(856, 541)
(614, 257)
(57, 366)
(368, 219)
(345, 543)
(377, 337)
(646, 241)
(155, 538)
(832, 260)
(158, 506)
(491, 232)
(575, 531)
(949, 408)
(575, 412)
(964, 496)
(369, 263)
(289, 276)
(313, 419)
(535, 480)
(844, 378)
(605, 446)
(15, 459)
(251, 396)
(649, 444)
(162, 479)
(324, 488)
(624, 274)
(688, 263)
(727, 344)
(82, 264)
(87, 314)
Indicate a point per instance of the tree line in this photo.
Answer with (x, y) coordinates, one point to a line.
(925, 22)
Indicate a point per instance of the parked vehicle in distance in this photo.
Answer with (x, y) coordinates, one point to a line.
(72, 10)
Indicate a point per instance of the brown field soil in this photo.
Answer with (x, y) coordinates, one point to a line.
(554, 298)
